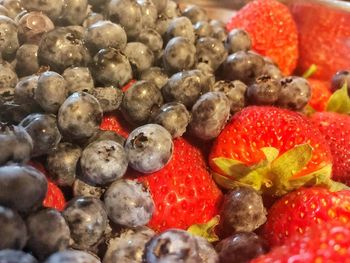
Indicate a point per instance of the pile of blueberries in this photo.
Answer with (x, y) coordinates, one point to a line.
(63, 65)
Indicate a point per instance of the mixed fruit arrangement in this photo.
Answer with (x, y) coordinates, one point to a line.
(139, 131)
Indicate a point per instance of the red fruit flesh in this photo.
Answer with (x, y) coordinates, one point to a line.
(115, 122)
(320, 94)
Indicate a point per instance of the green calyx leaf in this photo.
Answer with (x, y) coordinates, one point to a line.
(206, 230)
(339, 101)
(310, 71)
(270, 153)
(231, 167)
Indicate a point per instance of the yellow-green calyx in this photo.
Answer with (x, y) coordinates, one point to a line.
(206, 230)
(339, 101)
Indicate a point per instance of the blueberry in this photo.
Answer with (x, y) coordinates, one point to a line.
(272, 70)
(79, 116)
(149, 13)
(243, 66)
(92, 18)
(13, 230)
(9, 40)
(103, 162)
(61, 48)
(155, 74)
(4, 11)
(111, 68)
(81, 188)
(16, 144)
(241, 248)
(152, 39)
(62, 163)
(8, 78)
(162, 24)
(238, 40)
(141, 101)
(181, 27)
(27, 60)
(174, 117)
(78, 79)
(179, 54)
(32, 26)
(129, 203)
(219, 30)
(16, 256)
(203, 29)
(172, 246)
(140, 56)
(209, 115)
(129, 246)
(11, 112)
(97, 5)
(339, 79)
(195, 14)
(149, 148)
(72, 256)
(51, 91)
(265, 91)
(52, 9)
(295, 93)
(87, 220)
(24, 93)
(106, 135)
(242, 210)
(160, 4)
(48, 233)
(44, 132)
(128, 14)
(210, 51)
(105, 34)
(23, 188)
(74, 12)
(110, 98)
(206, 252)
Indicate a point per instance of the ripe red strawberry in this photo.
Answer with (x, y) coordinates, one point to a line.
(320, 94)
(299, 210)
(328, 242)
(272, 29)
(115, 122)
(281, 147)
(183, 191)
(324, 34)
(336, 129)
(128, 85)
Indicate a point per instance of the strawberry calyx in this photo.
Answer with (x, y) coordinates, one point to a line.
(206, 230)
(275, 174)
(339, 101)
(310, 71)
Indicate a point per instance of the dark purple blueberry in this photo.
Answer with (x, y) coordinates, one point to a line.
(209, 115)
(241, 248)
(162, 24)
(8, 37)
(179, 54)
(160, 4)
(102, 135)
(129, 246)
(149, 13)
(78, 79)
(27, 60)
(151, 38)
(23, 188)
(97, 5)
(24, 93)
(74, 12)
(242, 210)
(243, 66)
(16, 256)
(87, 220)
(32, 26)
(13, 230)
(203, 29)
(156, 75)
(110, 98)
(238, 40)
(72, 256)
(219, 30)
(79, 117)
(11, 112)
(111, 68)
(141, 101)
(52, 9)
(51, 91)
(62, 163)
(48, 233)
(172, 246)
(265, 91)
(92, 17)
(210, 51)
(207, 252)
(295, 93)
(339, 79)
(181, 27)
(44, 132)
(140, 56)
(105, 34)
(195, 13)
(174, 117)
(103, 162)
(15, 143)
(61, 48)
(272, 70)
(8, 77)
(217, 23)
(149, 148)
(81, 188)
(126, 13)
(129, 203)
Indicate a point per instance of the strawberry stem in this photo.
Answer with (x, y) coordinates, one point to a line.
(311, 70)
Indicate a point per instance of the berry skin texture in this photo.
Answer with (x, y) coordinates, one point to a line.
(297, 211)
(116, 123)
(335, 128)
(54, 197)
(183, 191)
(266, 21)
(320, 94)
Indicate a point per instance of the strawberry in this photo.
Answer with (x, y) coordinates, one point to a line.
(299, 210)
(115, 122)
(183, 191)
(320, 94)
(271, 149)
(327, 242)
(336, 129)
(272, 29)
(128, 85)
